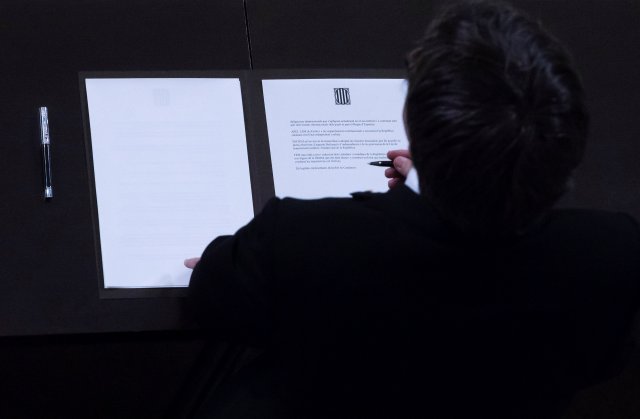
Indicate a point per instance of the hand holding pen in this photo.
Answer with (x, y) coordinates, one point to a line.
(398, 166)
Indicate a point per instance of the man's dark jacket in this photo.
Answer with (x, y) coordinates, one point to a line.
(374, 307)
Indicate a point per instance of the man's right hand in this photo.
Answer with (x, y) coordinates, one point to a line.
(402, 165)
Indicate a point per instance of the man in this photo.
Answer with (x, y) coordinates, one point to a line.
(471, 298)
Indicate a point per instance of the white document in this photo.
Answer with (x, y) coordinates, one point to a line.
(324, 132)
(171, 173)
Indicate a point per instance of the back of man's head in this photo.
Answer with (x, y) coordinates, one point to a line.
(495, 116)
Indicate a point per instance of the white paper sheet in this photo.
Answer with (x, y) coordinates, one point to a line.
(321, 140)
(171, 173)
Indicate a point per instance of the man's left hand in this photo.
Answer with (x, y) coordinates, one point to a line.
(191, 262)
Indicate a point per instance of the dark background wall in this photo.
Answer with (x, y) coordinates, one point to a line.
(67, 353)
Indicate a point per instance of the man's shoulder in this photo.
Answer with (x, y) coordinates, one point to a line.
(360, 211)
(593, 221)
(603, 240)
(357, 202)
(395, 198)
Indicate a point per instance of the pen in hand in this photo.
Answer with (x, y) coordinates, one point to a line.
(382, 163)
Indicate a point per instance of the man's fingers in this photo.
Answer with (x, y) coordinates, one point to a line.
(394, 182)
(191, 262)
(391, 172)
(392, 154)
(402, 165)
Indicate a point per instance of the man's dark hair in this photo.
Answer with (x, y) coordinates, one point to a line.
(495, 115)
